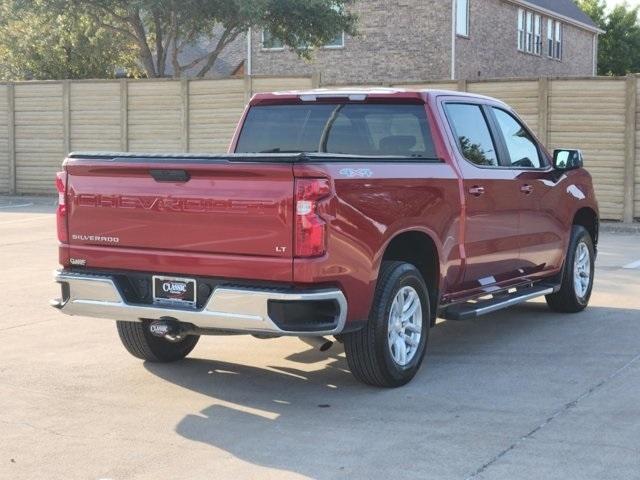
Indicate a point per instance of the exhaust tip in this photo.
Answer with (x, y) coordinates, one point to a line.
(167, 328)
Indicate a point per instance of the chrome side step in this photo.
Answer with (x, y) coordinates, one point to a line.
(469, 311)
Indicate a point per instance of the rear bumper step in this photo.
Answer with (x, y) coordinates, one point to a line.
(242, 310)
(469, 311)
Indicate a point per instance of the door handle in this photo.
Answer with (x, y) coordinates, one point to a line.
(178, 176)
(476, 190)
(526, 189)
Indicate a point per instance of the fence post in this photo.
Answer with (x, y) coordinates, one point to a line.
(184, 93)
(543, 110)
(66, 116)
(630, 148)
(11, 124)
(316, 79)
(462, 86)
(124, 115)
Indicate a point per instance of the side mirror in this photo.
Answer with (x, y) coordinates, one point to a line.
(565, 160)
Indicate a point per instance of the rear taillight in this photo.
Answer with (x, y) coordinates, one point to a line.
(61, 212)
(310, 232)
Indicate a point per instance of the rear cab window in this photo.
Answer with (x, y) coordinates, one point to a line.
(363, 129)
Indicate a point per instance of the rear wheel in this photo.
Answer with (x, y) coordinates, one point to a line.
(141, 343)
(577, 279)
(389, 350)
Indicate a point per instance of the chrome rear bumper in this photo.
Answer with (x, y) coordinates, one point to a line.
(227, 309)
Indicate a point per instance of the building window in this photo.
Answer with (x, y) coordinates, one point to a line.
(529, 32)
(462, 17)
(521, 29)
(537, 34)
(337, 42)
(555, 35)
(269, 42)
(529, 26)
(550, 43)
(558, 38)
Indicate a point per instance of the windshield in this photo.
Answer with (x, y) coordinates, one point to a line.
(351, 129)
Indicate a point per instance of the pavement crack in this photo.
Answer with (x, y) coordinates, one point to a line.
(561, 411)
(25, 325)
(34, 427)
(26, 242)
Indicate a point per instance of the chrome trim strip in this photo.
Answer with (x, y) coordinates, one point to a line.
(515, 300)
(231, 309)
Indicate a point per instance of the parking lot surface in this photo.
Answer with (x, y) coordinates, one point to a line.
(521, 394)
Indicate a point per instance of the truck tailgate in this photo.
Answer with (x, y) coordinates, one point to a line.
(217, 207)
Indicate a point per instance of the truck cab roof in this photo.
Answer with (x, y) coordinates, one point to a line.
(360, 94)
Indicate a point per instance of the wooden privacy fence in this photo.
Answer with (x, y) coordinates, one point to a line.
(42, 121)
(601, 116)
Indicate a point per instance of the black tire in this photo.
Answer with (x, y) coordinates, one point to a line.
(567, 299)
(141, 343)
(368, 352)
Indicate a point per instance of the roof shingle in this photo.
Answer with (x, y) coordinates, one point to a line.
(566, 8)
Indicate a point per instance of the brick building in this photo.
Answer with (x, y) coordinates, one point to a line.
(416, 40)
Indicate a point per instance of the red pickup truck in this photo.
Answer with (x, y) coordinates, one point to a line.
(363, 215)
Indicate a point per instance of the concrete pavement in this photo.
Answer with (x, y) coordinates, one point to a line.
(522, 394)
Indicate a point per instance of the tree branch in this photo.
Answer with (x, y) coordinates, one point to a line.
(141, 37)
(171, 42)
(160, 51)
(228, 36)
(110, 27)
(139, 34)
(193, 63)
(100, 5)
(188, 38)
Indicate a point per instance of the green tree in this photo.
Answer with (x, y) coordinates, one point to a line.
(595, 9)
(161, 29)
(619, 48)
(40, 44)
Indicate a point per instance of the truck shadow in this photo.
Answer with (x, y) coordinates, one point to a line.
(320, 422)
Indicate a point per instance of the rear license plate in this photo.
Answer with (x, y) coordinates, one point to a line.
(176, 291)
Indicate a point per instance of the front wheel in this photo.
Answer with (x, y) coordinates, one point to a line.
(577, 279)
(141, 343)
(389, 350)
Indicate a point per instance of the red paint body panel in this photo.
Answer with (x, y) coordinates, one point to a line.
(421, 197)
(225, 208)
(234, 219)
(184, 263)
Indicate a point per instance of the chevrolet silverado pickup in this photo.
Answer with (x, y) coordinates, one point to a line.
(362, 215)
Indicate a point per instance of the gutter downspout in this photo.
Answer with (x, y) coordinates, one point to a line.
(596, 37)
(249, 63)
(453, 39)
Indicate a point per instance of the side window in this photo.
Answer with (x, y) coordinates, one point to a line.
(471, 129)
(522, 148)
